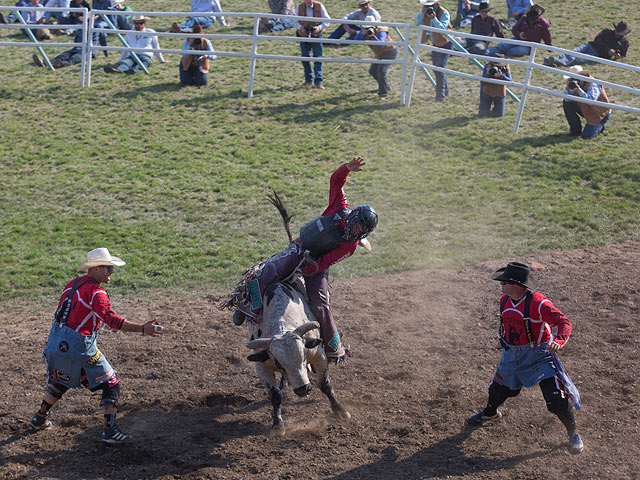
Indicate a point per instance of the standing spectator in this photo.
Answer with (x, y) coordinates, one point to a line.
(483, 24)
(194, 68)
(364, 10)
(434, 15)
(278, 7)
(380, 52)
(516, 9)
(36, 17)
(609, 44)
(595, 116)
(492, 93)
(531, 27)
(205, 21)
(100, 22)
(529, 351)
(127, 63)
(312, 29)
(72, 354)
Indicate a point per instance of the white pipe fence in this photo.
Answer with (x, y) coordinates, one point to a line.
(529, 64)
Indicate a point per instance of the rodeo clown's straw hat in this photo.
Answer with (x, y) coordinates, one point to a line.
(517, 273)
(100, 256)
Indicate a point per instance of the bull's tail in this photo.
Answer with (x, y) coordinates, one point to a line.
(286, 218)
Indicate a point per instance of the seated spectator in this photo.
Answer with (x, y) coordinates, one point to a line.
(482, 24)
(365, 10)
(122, 22)
(194, 68)
(205, 21)
(74, 55)
(57, 16)
(609, 44)
(467, 10)
(12, 17)
(127, 63)
(36, 17)
(596, 116)
(278, 7)
(531, 27)
(492, 93)
(515, 10)
(380, 52)
(100, 22)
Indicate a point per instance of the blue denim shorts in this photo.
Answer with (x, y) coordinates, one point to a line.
(524, 366)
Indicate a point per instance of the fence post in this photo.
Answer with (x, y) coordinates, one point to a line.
(412, 51)
(523, 97)
(124, 42)
(254, 51)
(33, 39)
(89, 45)
(83, 65)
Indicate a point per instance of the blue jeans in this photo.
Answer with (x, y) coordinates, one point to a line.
(440, 60)
(130, 64)
(193, 76)
(379, 72)
(485, 105)
(573, 113)
(306, 48)
(567, 60)
(508, 50)
(204, 22)
(283, 24)
(340, 31)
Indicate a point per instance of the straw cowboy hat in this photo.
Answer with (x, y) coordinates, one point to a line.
(575, 69)
(141, 18)
(427, 3)
(100, 256)
(517, 273)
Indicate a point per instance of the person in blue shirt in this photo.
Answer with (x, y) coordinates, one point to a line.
(434, 15)
(493, 93)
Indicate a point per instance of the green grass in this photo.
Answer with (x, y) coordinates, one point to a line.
(174, 180)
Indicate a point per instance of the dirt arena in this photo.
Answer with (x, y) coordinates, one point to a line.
(422, 357)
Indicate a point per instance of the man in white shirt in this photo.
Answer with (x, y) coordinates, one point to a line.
(127, 64)
(364, 10)
(205, 21)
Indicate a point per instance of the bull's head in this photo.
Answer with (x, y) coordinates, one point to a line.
(289, 354)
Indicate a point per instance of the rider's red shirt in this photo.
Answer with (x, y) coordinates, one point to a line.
(90, 308)
(337, 201)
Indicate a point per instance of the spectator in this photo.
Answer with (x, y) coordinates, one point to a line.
(122, 22)
(609, 44)
(57, 16)
(12, 17)
(467, 11)
(36, 17)
(531, 27)
(100, 22)
(194, 68)
(306, 28)
(72, 356)
(127, 63)
(515, 10)
(492, 93)
(365, 10)
(529, 352)
(205, 21)
(74, 55)
(595, 116)
(380, 52)
(278, 7)
(434, 15)
(482, 24)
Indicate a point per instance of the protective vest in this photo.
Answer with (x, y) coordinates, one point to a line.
(380, 51)
(527, 320)
(190, 59)
(323, 234)
(439, 40)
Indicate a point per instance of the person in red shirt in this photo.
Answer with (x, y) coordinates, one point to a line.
(72, 354)
(529, 347)
(324, 241)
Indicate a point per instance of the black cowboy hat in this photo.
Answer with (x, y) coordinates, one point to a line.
(621, 28)
(535, 12)
(484, 7)
(517, 273)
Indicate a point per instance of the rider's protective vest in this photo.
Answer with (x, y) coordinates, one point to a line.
(323, 234)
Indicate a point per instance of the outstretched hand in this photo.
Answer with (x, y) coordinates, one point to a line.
(152, 329)
(356, 164)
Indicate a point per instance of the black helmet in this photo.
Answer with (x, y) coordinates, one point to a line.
(366, 217)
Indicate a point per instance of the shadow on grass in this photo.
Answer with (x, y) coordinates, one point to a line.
(546, 140)
(156, 88)
(445, 458)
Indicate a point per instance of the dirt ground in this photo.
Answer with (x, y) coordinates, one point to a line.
(422, 359)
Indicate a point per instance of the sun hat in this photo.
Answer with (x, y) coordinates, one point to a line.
(621, 28)
(140, 18)
(575, 69)
(100, 256)
(517, 273)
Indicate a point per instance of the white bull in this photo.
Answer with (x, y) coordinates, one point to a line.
(283, 347)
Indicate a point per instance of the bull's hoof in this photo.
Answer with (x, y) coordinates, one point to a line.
(277, 431)
(342, 413)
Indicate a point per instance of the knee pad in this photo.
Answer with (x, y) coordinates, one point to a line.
(57, 390)
(110, 394)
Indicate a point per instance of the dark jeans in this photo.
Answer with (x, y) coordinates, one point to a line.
(193, 76)
(573, 113)
(379, 72)
(340, 31)
(440, 60)
(306, 48)
(485, 105)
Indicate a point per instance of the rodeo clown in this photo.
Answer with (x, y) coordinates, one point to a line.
(72, 354)
(326, 240)
(529, 351)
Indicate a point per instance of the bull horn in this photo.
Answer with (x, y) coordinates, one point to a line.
(365, 243)
(303, 329)
(259, 343)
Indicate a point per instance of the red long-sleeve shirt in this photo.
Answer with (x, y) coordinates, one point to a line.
(539, 31)
(337, 201)
(543, 314)
(90, 307)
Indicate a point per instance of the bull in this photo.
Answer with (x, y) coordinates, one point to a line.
(286, 339)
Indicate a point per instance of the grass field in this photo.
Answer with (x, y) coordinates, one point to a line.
(174, 180)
